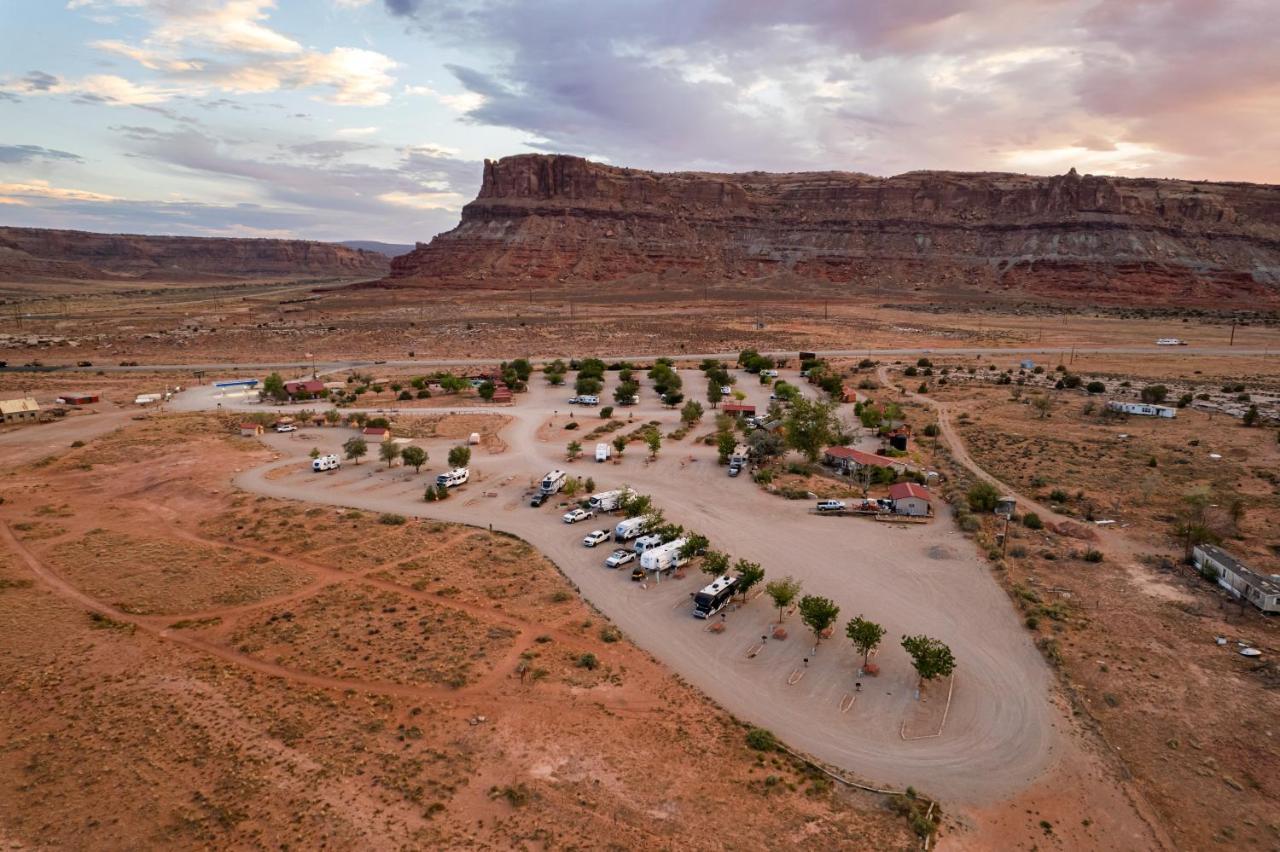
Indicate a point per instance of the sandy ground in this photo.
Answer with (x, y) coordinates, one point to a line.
(1003, 733)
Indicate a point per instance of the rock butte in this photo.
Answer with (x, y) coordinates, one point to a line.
(551, 218)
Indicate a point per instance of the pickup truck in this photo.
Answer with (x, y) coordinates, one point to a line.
(574, 515)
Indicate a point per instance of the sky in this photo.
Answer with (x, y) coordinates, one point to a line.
(370, 119)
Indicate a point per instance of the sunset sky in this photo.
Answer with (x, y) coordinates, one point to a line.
(361, 119)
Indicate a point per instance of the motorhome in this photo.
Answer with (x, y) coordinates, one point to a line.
(450, 478)
(740, 457)
(329, 462)
(629, 529)
(552, 482)
(603, 451)
(664, 557)
(711, 599)
(608, 501)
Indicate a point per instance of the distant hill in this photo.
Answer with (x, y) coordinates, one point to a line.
(389, 249)
(42, 253)
(555, 218)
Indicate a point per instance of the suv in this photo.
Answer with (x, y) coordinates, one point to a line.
(538, 499)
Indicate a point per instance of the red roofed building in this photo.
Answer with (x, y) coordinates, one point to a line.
(847, 460)
(250, 430)
(738, 409)
(376, 433)
(311, 387)
(910, 499)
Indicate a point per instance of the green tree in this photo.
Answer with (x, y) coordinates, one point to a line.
(486, 391)
(459, 456)
(783, 591)
(571, 486)
(523, 369)
(1193, 523)
(587, 385)
(931, 658)
(574, 450)
(414, 457)
(653, 439)
(694, 543)
(355, 448)
(714, 394)
(810, 426)
(555, 372)
(620, 445)
(749, 575)
(315, 453)
(982, 497)
(672, 398)
(1043, 404)
(1251, 416)
(273, 388)
(691, 413)
(634, 505)
(715, 563)
(332, 416)
(818, 613)
(1154, 394)
(865, 636)
(626, 392)
(388, 452)
(725, 444)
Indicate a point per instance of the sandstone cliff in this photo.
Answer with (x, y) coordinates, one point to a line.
(33, 253)
(550, 217)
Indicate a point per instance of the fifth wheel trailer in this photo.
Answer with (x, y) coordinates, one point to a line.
(665, 557)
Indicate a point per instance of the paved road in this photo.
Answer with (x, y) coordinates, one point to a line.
(256, 368)
(1000, 732)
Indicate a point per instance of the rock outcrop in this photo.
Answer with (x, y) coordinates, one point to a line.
(560, 218)
(34, 253)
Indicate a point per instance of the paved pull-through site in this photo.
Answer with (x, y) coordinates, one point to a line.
(999, 732)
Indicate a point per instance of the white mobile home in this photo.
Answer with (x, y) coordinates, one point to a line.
(1261, 590)
(1143, 408)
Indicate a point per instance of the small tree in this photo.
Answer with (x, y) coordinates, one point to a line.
(388, 452)
(865, 636)
(459, 456)
(486, 391)
(691, 413)
(1251, 416)
(315, 453)
(355, 448)
(620, 445)
(931, 658)
(810, 426)
(430, 494)
(714, 394)
(818, 613)
(571, 486)
(715, 563)
(634, 505)
(783, 592)
(273, 388)
(1154, 394)
(332, 416)
(414, 457)
(574, 450)
(1043, 404)
(725, 444)
(442, 491)
(654, 439)
(749, 575)
(982, 497)
(694, 543)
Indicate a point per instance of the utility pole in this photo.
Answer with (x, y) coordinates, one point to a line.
(1233, 332)
(825, 313)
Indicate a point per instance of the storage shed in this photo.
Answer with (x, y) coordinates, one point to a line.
(910, 499)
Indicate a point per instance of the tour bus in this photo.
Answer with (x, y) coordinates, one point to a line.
(713, 598)
(552, 482)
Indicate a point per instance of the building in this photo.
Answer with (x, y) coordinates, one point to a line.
(1143, 408)
(305, 389)
(250, 430)
(910, 499)
(21, 410)
(376, 433)
(1261, 590)
(78, 398)
(738, 409)
(849, 460)
(502, 394)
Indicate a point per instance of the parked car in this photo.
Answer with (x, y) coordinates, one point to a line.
(574, 515)
(573, 400)
(594, 537)
(286, 427)
(619, 558)
(725, 390)
(538, 499)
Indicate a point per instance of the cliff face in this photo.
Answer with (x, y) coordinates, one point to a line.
(27, 253)
(542, 217)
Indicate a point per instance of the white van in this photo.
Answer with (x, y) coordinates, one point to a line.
(831, 506)
(552, 482)
(450, 478)
(323, 463)
(647, 542)
(603, 451)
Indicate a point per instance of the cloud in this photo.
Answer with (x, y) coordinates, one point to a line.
(26, 153)
(44, 189)
(96, 88)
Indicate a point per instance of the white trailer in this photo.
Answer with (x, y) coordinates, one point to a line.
(603, 451)
(1143, 408)
(741, 455)
(630, 528)
(323, 463)
(552, 482)
(608, 501)
(665, 557)
(453, 478)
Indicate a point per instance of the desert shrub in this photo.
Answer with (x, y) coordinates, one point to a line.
(1096, 387)
(572, 424)
(1057, 495)
(1032, 521)
(1032, 622)
(610, 634)
(761, 739)
(1093, 555)
(932, 430)
(588, 661)
(391, 520)
(982, 497)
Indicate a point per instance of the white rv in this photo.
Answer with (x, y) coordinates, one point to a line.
(1143, 408)
(608, 501)
(603, 451)
(664, 557)
(552, 482)
(323, 463)
(450, 478)
(629, 529)
(741, 455)
(647, 542)
(711, 599)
